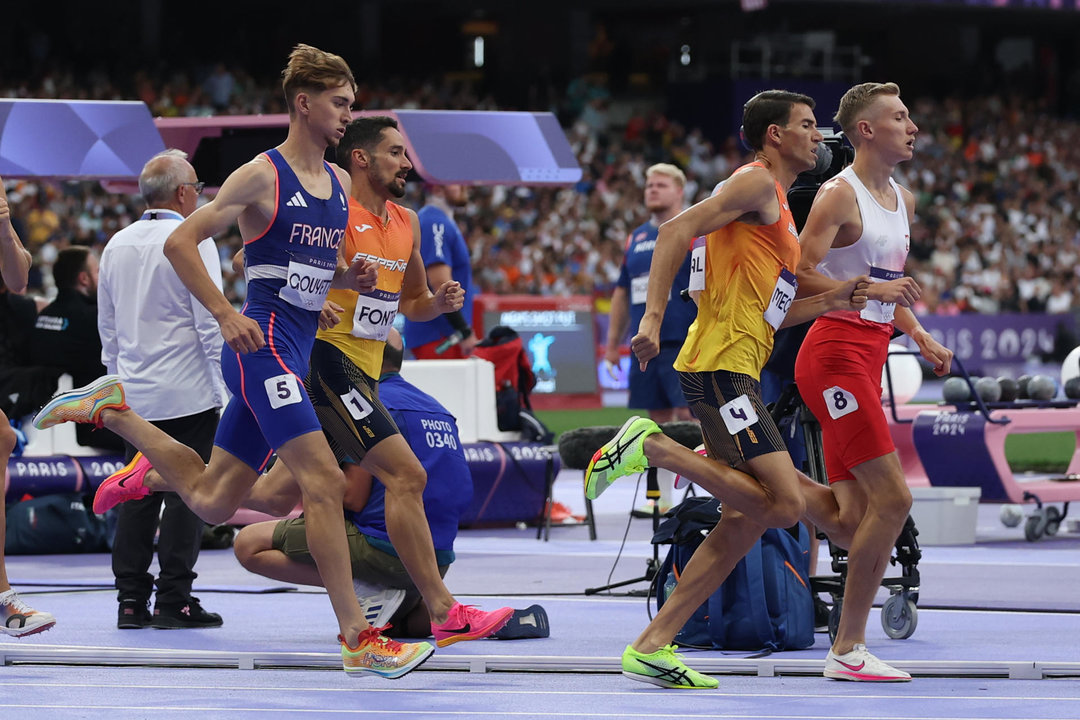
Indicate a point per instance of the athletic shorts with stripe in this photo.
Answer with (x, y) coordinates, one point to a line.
(347, 404)
(269, 406)
(838, 372)
(735, 423)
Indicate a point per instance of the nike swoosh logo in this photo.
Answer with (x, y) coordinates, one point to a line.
(459, 631)
(854, 668)
(123, 480)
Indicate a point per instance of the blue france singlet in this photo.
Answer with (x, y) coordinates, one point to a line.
(290, 266)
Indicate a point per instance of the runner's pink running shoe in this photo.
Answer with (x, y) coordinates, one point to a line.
(468, 622)
(123, 485)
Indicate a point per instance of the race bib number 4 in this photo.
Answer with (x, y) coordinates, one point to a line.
(839, 402)
(307, 281)
(782, 296)
(283, 390)
(738, 414)
(374, 315)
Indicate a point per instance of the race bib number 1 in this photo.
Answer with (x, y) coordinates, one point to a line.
(282, 390)
(738, 414)
(840, 402)
(782, 296)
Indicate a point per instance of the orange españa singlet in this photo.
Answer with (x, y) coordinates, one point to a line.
(744, 265)
(367, 319)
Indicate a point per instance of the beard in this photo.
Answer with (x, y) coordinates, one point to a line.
(395, 190)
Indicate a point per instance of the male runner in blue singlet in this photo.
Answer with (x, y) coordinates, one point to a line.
(292, 209)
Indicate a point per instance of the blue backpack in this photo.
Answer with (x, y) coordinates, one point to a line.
(765, 604)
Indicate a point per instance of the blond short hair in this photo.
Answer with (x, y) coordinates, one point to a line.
(309, 68)
(857, 99)
(670, 170)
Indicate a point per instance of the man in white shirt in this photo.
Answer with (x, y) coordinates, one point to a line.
(166, 347)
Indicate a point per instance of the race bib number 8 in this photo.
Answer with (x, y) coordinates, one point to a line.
(283, 390)
(738, 414)
(782, 296)
(839, 402)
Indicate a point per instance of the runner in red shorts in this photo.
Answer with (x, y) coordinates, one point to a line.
(859, 224)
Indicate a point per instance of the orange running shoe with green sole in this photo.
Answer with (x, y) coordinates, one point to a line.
(83, 405)
(375, 654)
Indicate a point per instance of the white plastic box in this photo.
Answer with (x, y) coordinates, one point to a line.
(467, 389)
(945, 515)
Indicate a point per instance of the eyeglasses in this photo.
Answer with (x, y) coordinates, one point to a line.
(197, 185)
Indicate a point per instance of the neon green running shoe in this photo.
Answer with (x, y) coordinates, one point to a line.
(664, 668)
(622, 455)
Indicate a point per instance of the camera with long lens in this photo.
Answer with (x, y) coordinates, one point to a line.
(833, 155)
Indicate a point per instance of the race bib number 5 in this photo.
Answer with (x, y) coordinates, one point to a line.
(282, 390)
(738, 414)
(782, 296)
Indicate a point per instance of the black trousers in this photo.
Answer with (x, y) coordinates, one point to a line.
(181, 529)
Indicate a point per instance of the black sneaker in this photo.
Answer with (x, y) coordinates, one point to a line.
(821, 615)
(186, 615)
(133, 614)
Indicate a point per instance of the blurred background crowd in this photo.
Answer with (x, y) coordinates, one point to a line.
(995, 172)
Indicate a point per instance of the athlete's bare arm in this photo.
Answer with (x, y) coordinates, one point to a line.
(246, 198)
(14, 258)
(939, 356)
(417, 302)
(749, 195)
(847, 295)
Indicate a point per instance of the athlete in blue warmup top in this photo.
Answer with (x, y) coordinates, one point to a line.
(446, 257)
(292, 209)
(278, 548)
(657, 388)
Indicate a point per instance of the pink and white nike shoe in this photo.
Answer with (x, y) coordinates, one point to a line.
(859, 665)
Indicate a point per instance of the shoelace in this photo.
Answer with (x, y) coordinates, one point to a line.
(670, 650)
(374, 636)
(16, 603)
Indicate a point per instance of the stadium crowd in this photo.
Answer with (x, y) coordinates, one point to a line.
(996, 178)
